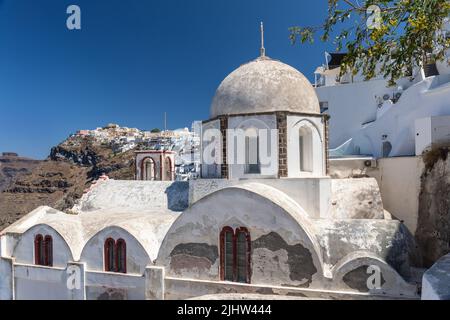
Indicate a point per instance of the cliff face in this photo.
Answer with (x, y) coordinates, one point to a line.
(98, 157)
(12, 166)
(61, 180)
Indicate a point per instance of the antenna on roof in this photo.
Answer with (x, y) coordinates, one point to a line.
(262, 50)
(165, 121)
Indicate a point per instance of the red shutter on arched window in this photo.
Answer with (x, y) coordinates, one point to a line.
(227, 256)
(48, 251)
(38, 239)
(109, 255)
(243, 255)
(121, 256)
(235, 255)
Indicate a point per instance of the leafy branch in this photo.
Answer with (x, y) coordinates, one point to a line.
(390, 40)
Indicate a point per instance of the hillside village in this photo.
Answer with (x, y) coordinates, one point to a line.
(185, 142)
(71, 167)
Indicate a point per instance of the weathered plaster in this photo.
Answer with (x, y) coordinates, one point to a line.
(264, 85)
(356, 199)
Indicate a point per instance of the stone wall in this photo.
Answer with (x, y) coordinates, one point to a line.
(433, 232)
(282, 144)
(223, 130)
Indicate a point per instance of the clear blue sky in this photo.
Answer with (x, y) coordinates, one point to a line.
(132, 61)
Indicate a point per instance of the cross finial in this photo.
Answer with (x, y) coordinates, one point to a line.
(262, 50)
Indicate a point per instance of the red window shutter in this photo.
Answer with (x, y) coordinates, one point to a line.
(243, 255)
(121, 256)
(48, 251)
(227, 257)
(38, 249)
(109, 255)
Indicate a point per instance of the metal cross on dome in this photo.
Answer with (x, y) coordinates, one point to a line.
(262, 50)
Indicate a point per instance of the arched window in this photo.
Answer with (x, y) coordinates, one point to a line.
(48, 248)
(235, 255)
(109, 255)
(43, 250)
(121, 249)
(252, 160)
(227, 254)
(148, 169)
(306, 149)
(168, 167)
(243, 255)
(38, 250)
(115, 255)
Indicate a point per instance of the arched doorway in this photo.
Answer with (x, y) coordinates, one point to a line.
(168, 169)
(148, 169)
(252, 161)
(306, 149)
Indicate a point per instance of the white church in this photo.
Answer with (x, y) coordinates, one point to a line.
(278, 230)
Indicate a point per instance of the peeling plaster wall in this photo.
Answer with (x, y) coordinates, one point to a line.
(272, 254)
(358, 272)
(387, 239)
(280, 244)
(93, 252)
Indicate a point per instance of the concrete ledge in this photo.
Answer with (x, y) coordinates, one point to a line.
(183, 289)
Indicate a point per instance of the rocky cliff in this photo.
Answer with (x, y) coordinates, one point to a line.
(12, 166)
(62, 178)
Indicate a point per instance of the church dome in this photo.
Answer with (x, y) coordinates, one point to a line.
(264, 85)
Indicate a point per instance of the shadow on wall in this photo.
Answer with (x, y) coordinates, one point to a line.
(178, 196)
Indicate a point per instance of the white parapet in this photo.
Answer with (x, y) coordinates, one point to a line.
(432, 132)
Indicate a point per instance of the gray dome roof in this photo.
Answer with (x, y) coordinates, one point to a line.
(264, 85)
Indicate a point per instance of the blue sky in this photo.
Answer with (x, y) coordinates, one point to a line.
(132, 61)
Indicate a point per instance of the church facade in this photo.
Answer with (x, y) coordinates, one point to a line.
(280, 227)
